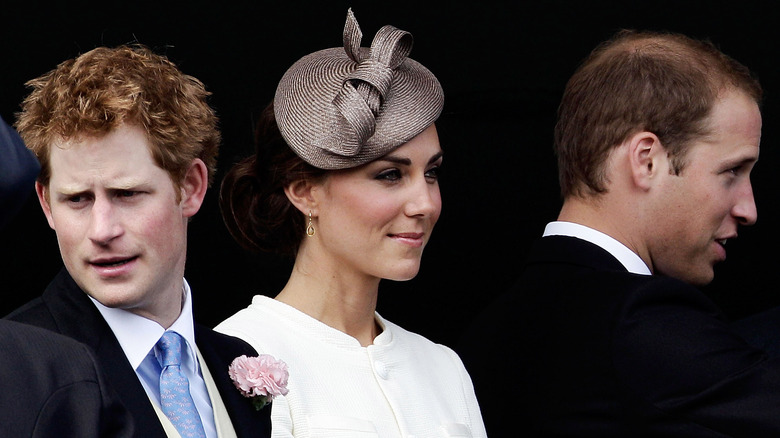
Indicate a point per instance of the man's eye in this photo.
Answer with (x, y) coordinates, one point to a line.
(75, 199)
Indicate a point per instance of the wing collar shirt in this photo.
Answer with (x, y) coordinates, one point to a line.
(138, 336)
(632, 262)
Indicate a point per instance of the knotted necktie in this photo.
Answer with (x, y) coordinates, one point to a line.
(175, 399)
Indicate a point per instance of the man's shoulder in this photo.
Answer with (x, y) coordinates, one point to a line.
(53, 385)
(220, 344)
(33, 336)
(64, 308)
(62, 359)
(571, 251)
(57, 299)
(584, 264)
(35, 312)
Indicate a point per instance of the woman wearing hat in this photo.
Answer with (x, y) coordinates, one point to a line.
(345, 180)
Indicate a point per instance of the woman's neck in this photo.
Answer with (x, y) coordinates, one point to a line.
(344, 302)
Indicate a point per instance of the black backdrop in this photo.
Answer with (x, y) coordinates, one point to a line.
(503, 67)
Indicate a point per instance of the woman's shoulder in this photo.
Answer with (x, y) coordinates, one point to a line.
(257, 320)
(418, 343)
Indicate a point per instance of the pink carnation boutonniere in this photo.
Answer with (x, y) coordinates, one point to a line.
(260, 378)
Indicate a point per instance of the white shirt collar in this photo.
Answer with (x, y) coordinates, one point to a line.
(138, 335)
(629, 259)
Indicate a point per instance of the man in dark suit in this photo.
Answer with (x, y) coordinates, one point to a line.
(656, 137)
(128, 145)
(52, 386)
(18, 169)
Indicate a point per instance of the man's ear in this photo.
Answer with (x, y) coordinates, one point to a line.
(303, 195)
(43, 198)
(645, 153)
(193, 187)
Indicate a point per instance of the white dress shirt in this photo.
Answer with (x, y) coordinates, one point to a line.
(138, 336)
(632, 262)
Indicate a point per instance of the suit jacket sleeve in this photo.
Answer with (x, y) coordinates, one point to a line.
(673, 349)
(52, 386)
(84, 409)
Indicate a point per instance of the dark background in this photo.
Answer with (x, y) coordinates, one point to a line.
(503, 67)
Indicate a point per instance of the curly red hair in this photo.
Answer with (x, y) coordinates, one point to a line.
(98, 91)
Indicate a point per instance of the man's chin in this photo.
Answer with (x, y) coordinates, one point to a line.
(695, 277)
(701, 279)
(114, 299)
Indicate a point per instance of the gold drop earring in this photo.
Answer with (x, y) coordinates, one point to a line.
(310, 227)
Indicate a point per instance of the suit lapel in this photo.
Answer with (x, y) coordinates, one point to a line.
(77, 317)
(221, 418)
(218, 351)
(170, 429)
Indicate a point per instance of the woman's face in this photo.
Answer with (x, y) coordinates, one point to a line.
(376, 219)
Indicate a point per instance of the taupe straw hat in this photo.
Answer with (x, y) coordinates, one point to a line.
(343, 107)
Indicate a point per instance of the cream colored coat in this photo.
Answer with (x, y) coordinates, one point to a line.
(401, 386)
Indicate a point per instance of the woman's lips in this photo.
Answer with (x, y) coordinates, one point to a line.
(414, 240)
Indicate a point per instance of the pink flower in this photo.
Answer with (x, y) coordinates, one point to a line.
(261, 378)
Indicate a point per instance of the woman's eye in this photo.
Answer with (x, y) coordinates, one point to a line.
(433, 172)
(389, 175)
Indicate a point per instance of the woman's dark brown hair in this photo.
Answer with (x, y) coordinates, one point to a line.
(254, 206)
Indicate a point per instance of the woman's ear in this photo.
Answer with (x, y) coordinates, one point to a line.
(193, 187)
(303, 195)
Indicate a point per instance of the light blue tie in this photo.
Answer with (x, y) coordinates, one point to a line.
(175, 399)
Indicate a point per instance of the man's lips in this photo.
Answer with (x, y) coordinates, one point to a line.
(110, 262)
(721, 242)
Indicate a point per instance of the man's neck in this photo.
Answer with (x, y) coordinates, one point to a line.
(599, 213)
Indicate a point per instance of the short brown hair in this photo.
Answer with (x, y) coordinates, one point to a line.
(104, 88)
(664, 83)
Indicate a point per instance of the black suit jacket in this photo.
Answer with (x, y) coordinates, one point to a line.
(603, 352)
(65, 308)
(52, 387)
(18, 170)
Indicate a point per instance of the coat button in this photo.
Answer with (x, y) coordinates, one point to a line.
(380, 369)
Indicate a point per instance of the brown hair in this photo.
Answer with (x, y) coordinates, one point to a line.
(663, 83)
(255, 208)
(106, 87)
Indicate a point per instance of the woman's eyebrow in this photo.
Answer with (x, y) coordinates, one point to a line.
(407, 161)
(396, 160)
(435, 157)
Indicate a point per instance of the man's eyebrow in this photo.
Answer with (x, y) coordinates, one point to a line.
(129, 184)
(70, 190)
(741, 160)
